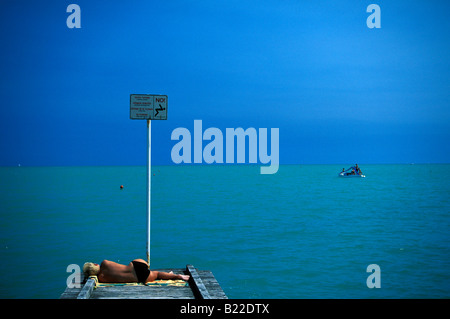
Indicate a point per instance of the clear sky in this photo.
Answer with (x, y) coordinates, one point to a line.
(338, 91)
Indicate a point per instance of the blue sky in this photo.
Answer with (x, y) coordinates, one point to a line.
(338, 91)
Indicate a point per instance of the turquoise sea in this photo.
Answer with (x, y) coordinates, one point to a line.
(300, 233)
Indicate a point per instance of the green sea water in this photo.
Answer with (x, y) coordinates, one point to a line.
(300, 233)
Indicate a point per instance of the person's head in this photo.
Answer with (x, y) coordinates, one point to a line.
(91, 269)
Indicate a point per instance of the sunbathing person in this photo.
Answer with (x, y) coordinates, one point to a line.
(135, 271)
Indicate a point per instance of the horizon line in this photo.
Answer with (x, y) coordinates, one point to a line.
(221, 164)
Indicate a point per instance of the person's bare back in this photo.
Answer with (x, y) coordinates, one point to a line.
(114, 272)
(135, 271)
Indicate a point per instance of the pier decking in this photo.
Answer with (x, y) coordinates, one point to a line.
(201, 285)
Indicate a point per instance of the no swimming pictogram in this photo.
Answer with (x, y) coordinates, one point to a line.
(148, 107)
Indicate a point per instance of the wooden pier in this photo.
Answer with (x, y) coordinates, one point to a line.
(201, 285)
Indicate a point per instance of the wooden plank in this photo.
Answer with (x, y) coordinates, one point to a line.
(142, 292)
(204, 279)
(210, 282)
(86, 291)
(145, 292)
(72, 292)
(197, 283)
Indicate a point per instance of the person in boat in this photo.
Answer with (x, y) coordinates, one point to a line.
(345, 173)
(135, 271)
(358, 170)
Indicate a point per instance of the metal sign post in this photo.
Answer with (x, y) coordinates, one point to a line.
(149, 185)
(148, 107)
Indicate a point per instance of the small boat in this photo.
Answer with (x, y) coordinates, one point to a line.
(353, 171)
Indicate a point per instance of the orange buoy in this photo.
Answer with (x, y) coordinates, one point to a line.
(121, 186)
